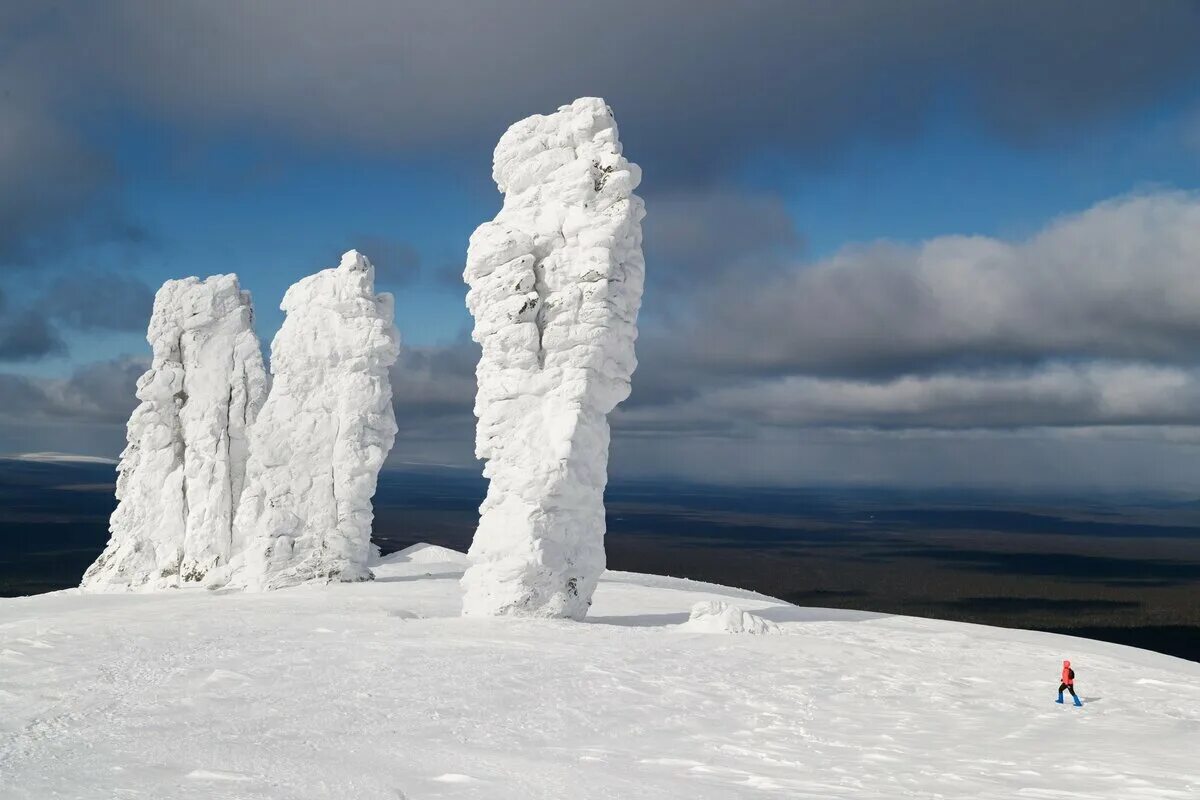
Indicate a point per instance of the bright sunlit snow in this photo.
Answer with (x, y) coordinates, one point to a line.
(382, 690)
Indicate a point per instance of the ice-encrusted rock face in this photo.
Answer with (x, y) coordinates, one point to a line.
(555, 287)
(322, 436)
(183, 468)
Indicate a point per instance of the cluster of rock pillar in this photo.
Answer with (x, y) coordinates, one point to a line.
(230, 481)
(226, 482)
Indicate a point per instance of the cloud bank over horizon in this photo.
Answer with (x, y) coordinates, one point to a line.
(1084, 335)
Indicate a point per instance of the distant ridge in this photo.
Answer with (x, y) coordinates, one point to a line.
(60, 458)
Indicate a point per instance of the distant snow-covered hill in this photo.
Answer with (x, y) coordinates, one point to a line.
(61, 458)
(381, 690)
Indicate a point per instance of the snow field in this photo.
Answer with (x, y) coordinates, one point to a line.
(382, 690)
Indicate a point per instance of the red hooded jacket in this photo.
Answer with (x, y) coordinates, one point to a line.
(1068, 674)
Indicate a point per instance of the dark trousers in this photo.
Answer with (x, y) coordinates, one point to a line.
(1062, 687)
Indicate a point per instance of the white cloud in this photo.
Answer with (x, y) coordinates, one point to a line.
(1116, 281)
(1071, 358)
(1065, 395)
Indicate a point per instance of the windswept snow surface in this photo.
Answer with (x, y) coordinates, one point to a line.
(183, 468)
(322, 436)
(556, 284)
(382, 690)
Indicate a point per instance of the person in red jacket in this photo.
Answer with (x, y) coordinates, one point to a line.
(1068, 683)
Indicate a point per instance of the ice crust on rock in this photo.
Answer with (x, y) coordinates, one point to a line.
(555, 287)
(184, 465)
(717, 616)
(322, 436)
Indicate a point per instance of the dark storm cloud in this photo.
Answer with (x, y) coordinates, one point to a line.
(55, 183)
(430, 383)
(99, 300)
(28, 336)
(102, 391)
(96, 393)
(47, 175)
(32, 322)
(696, 84)
(396, 263)
(692, 239)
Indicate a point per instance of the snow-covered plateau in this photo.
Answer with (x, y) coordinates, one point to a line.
(383, 690)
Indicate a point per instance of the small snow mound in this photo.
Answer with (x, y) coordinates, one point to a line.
(716, 616)
(454, 777)
(216, 775)
(425, 554)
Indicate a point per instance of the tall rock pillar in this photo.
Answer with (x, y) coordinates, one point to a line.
(182, 470)
(555, 287)
(315, 454)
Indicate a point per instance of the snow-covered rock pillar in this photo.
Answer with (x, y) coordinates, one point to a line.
(322, 436)
(555, 287)
(182, 470)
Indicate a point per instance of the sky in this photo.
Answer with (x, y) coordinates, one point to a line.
(929, 243)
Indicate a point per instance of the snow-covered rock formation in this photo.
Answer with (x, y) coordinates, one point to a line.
(322, 436)
(555, 287)
(717, 616)
(183, 469)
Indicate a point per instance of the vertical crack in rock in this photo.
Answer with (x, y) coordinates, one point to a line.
(175, 511)
(181, 398)
(555, 287)
(233, 480)
(540, 307)
(321, 438)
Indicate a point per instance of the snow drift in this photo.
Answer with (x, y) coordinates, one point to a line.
(322, 436)
(423, 553)
(717, 616)
(555, 287)
(184, 466)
